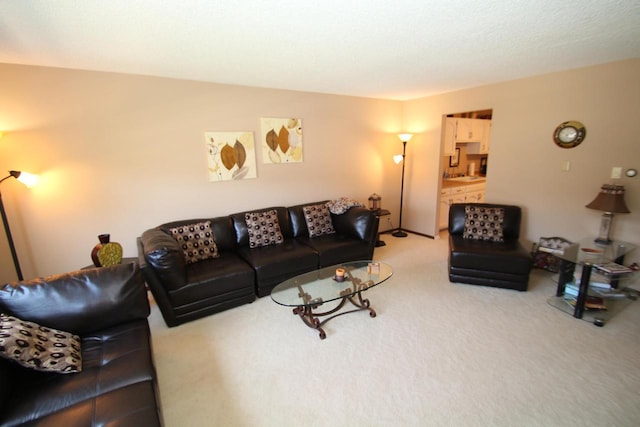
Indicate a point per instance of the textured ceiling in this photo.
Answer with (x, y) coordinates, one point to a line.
(398, 49)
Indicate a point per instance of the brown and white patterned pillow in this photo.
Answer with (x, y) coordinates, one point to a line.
(483, 223)
(197, 241)
(38, 347)
(318, 220)
(343, 204)
(263, 228)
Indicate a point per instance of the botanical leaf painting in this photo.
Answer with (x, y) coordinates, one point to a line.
(230, 155)
(281, 140)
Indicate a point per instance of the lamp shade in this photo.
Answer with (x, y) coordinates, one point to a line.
(405, 137)
(26, 178)
(610, 199)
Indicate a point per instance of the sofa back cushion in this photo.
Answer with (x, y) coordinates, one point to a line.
(357, 222)
(81, 301)
(240, 224)
(510, 224)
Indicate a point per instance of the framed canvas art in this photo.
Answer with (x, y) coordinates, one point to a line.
(281, 140)
(230, 155)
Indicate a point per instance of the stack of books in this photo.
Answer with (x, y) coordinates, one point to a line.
(610, 268)
(571, 291)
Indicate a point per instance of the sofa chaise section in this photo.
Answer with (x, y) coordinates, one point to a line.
(107, 308)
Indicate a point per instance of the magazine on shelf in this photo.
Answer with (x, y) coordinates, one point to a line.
(613, 268)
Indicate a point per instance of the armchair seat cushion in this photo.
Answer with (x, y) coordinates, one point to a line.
(507, 257)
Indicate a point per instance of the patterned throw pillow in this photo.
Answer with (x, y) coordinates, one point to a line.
(482, 223)
(343, 204)
(38, 347)
(318, 220)
(263, 228)
(197, 241)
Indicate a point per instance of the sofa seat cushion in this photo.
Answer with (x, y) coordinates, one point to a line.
(334, 249)
(116, 362)
(276, 263)
(506, 257)
(214, 277)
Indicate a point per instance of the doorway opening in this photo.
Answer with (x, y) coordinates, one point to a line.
(464, 159)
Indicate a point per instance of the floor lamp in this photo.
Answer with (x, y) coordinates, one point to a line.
(29, 180)
(404, 137)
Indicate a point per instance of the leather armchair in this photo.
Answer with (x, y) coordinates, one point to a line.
(504, 264)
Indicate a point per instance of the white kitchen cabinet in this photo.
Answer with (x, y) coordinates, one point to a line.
(481, 147)
(460, 194)
(469, 130)
(448, 136)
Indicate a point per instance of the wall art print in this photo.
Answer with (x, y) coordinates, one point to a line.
(281, 140)
(230, 155)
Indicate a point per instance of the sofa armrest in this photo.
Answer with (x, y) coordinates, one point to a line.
(357, 222)
(81, 301)
(164, 254)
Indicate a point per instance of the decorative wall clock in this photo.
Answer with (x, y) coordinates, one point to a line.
(569, 134)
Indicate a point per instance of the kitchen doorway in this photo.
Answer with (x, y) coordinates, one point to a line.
(464, 158)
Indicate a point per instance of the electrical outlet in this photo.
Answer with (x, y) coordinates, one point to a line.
(616, 172)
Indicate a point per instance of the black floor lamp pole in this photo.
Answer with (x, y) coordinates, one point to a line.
(399, 232)
(12, 247)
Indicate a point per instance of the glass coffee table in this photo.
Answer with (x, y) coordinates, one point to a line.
(308, 291)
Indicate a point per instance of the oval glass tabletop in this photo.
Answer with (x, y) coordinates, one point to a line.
(320, 286)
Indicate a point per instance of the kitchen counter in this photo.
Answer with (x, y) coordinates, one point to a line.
(465, 180)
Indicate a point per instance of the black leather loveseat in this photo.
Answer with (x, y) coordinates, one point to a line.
(484, 248)
(107, 309)
(185, 291)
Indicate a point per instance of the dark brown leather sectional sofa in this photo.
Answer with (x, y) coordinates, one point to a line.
(186, 292)
(117, 386)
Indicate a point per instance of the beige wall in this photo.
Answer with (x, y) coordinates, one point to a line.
(122, 153)
(525, 165)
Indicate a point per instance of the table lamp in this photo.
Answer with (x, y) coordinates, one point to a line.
(610, 199)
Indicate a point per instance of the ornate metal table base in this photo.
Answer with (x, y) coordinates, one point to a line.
(311, 318)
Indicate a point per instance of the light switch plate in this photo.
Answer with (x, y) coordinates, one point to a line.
(616, 172)
(566, 166)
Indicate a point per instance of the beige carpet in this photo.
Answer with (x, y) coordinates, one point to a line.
(437, 354)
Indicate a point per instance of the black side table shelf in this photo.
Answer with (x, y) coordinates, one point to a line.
(380, 213)
(588, 254)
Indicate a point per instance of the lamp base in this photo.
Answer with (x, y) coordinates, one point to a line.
(605, 229)
(399, 233)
